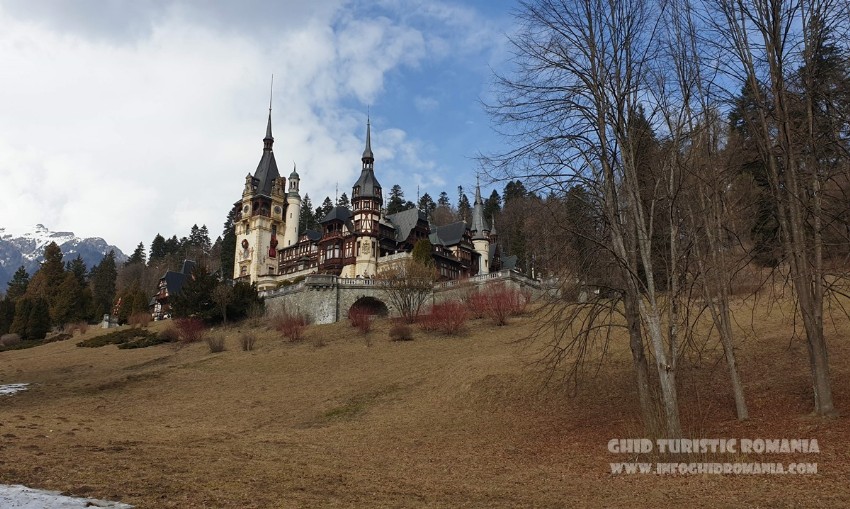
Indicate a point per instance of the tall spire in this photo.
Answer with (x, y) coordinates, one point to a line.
(268, 141)
(478, 226)
(367, 152)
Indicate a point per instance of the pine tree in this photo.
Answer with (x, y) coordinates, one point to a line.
(138, 255)
(52, 268)
(307, 218)
(158, 249)
(7, 315)
(38, 324)
(327, 206)
(443, 200)
(492, 205)
(103, 285)
(463, 206)
(396, 201)
(68, 303)
(196, 296)
(78, 267)
(228, 245)
(17, 287)
(342, 201)
(23, 306)
(427, 205)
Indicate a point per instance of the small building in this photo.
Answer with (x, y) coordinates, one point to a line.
(170, 285)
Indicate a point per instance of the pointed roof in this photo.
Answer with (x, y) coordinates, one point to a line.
(479, 225)
(294, 174)
(367, 152)
(267, 168)
(368, 185)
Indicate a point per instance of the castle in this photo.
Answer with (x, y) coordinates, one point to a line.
(355, 243)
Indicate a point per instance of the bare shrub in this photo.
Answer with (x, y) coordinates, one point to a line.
(82, 327)
(190, 330)
(361, 319)
(139, 319)
(401, 332)
(169, 335)
(215, 342)
(447, 317)
(247, 340)
(291, 325)
(9, 340)
(498, 303)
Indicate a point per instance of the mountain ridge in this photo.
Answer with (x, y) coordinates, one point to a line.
(26, 248)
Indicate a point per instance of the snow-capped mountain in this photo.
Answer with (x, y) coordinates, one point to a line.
(27, 249)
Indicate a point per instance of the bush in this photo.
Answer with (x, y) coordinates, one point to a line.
(9, 340)
(169, 335)
(447, 317)
(401, 332)
(499, 302)
(81, 327)
(57, 337)
(291, 325)
(140, 319)
(247, 341)
(215, 342)
(190, 330)
(118, 337)
(361, 319)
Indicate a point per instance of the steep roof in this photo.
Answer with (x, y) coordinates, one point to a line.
(338, 214)
(404, 222)
(368, 185)
(267, 168)
(479, 225)
(448, 235)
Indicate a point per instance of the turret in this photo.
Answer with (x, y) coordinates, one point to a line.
(293, 210)
(366, 200)
(480, 232)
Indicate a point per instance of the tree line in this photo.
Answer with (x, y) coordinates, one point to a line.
(675, 146)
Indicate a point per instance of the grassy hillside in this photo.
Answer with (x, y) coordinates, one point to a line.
(342, 419)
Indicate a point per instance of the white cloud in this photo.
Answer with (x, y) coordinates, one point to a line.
(125, 126)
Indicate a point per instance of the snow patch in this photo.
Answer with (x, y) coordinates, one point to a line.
(8, 390)
(21, 497)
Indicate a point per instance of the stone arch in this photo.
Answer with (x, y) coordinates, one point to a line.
(372, 306)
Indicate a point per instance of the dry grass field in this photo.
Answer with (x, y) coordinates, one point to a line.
(343, 419)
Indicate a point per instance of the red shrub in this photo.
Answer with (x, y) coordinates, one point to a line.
(448, 317)
(499, 302)
(291, 325)
(190, 329)
(361, 319)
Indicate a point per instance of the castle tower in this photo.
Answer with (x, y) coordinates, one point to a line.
(366, 200)
(293, 210)
(260, 216)
(480, 233)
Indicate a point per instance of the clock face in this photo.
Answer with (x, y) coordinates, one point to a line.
(278, 210)
(246, 209)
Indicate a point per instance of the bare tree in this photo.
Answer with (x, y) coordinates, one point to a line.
(407, 285)
(582, 69)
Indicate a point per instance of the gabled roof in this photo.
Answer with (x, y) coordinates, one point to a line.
(448, 235)
(404, 222)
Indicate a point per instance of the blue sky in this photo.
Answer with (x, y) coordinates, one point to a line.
(125, 119)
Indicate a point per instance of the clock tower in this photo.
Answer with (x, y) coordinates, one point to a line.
(366, 200)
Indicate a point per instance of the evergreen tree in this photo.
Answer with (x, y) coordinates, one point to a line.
(396, 201)
(103, 277)
(23, 307)
(172, 246)
(7, 315)
(318, 216)
(443, 200)
(52, 269)
(158, 249)
(463, 206)
(342, 201)
(38, 324)
(196, 296)
(422, 252)
(138, 255)
(78, 267)
(17, 287)
(327, 206)
(243, 300)
(307, 217)
(426, 204)
(204, 239)
(228, 246)
(514, 189)
(133, 300)
(492, 205)
(68, 303)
